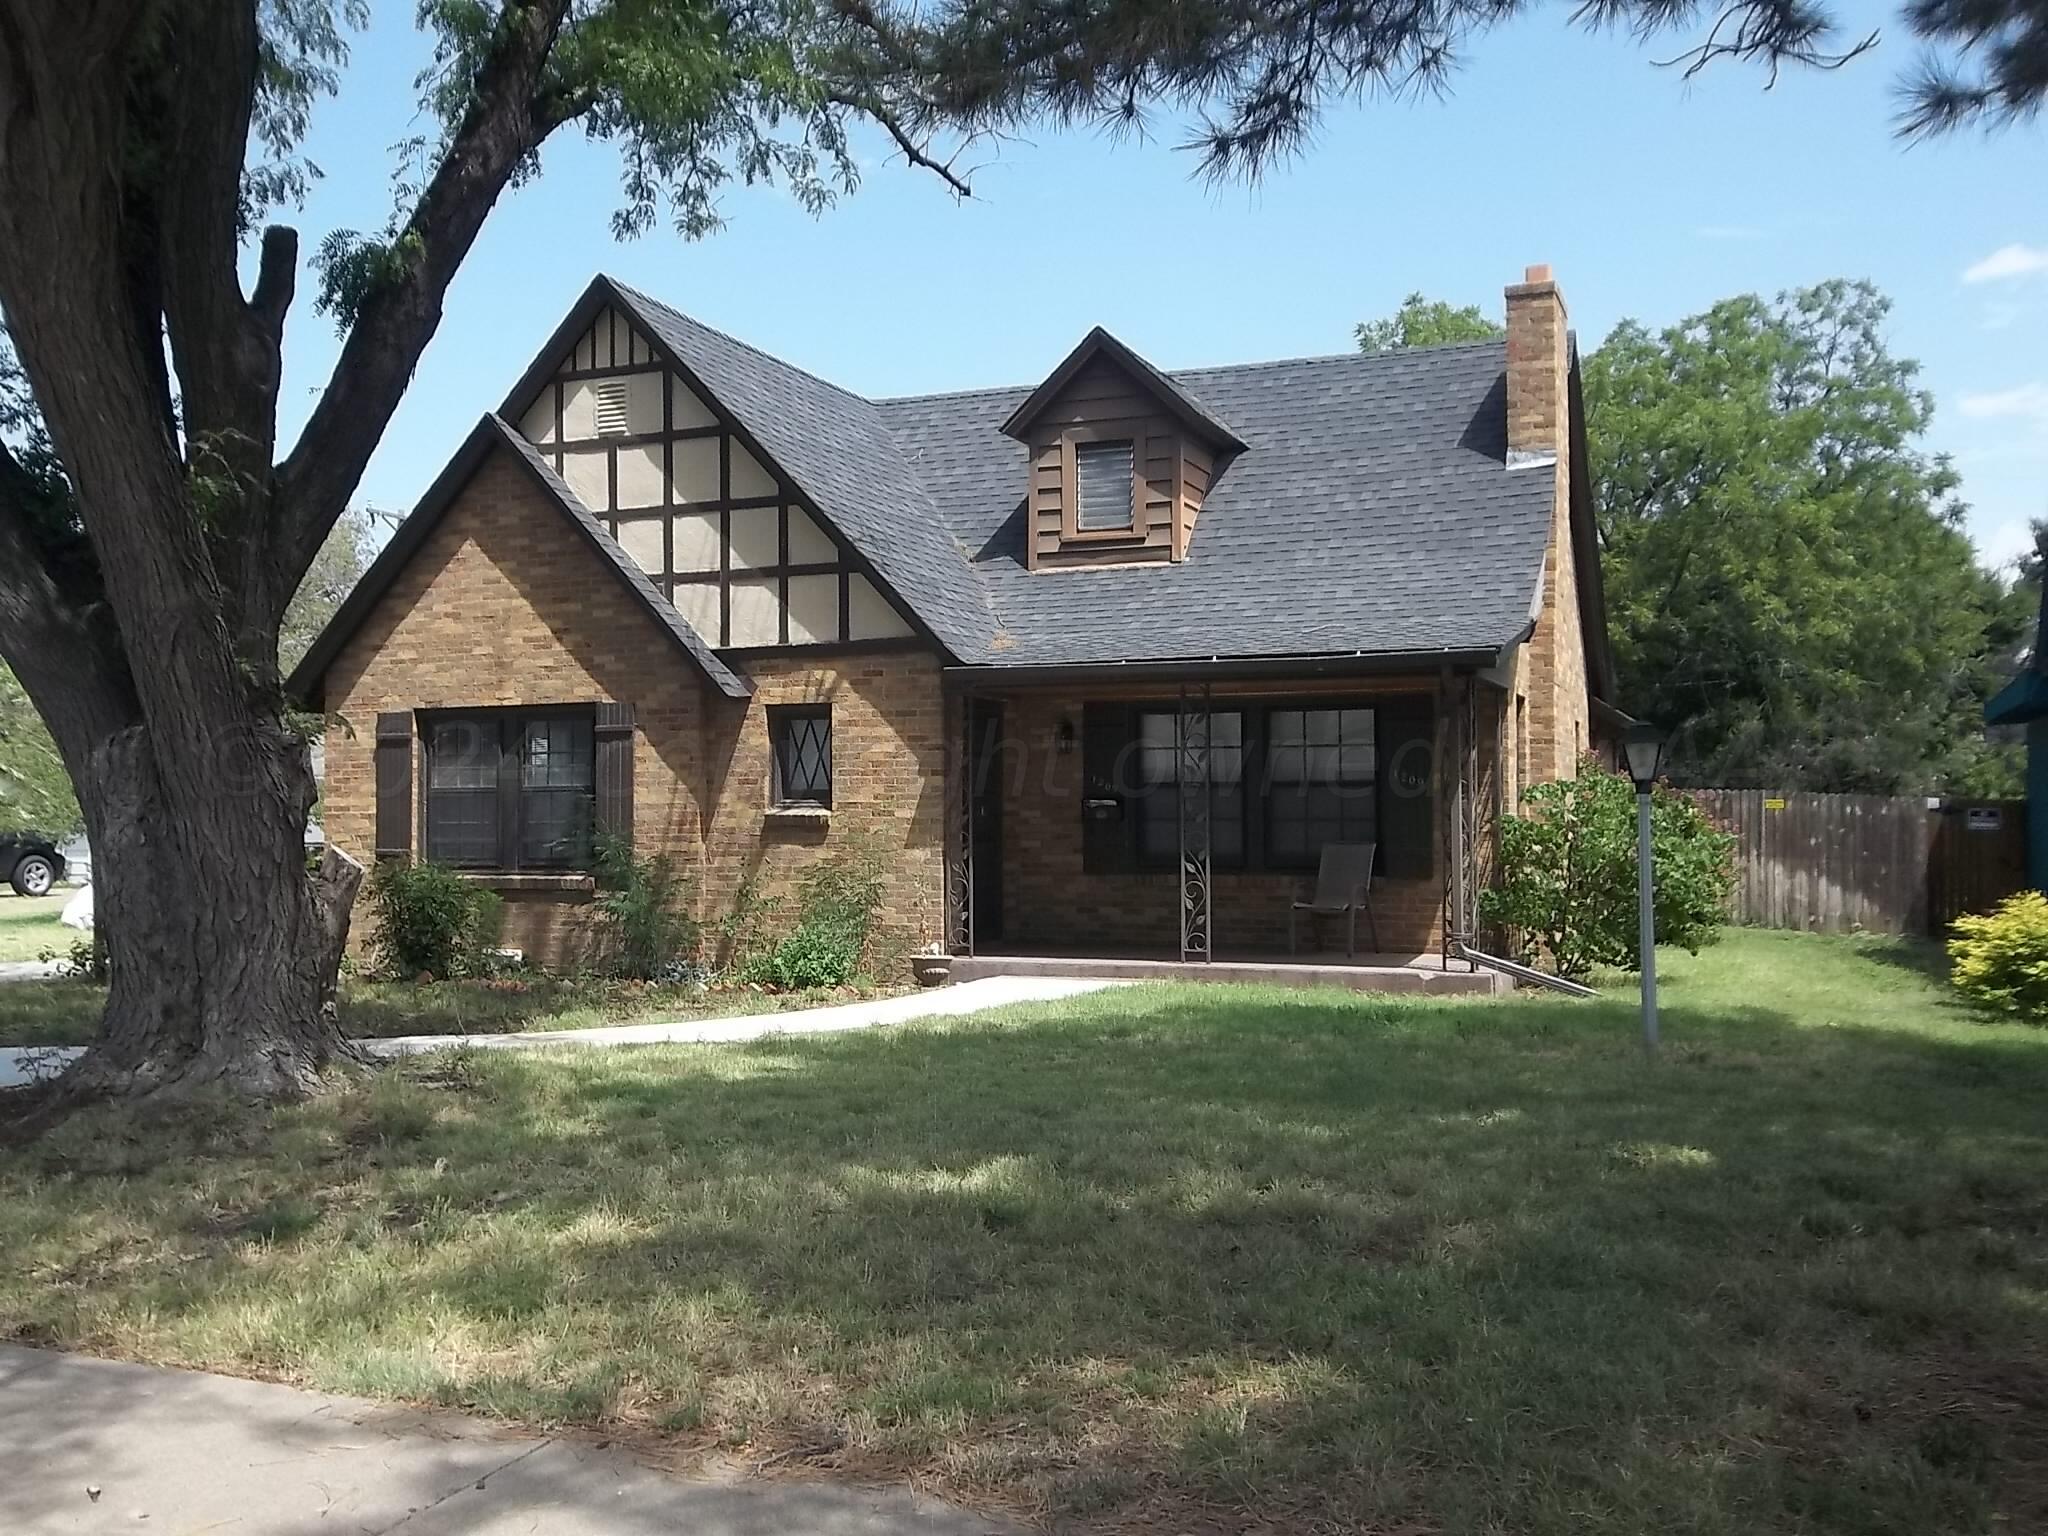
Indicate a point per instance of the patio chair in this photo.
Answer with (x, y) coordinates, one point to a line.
(1343, 883)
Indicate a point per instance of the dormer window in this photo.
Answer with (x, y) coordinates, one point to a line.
(1120, 458)
(1106, 486)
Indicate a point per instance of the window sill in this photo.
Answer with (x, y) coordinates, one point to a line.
(803, 814)
(564, 884)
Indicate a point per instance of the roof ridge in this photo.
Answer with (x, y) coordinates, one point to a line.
(742, 344)
(1178, 375)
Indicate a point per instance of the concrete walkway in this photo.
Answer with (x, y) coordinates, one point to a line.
(97, 1446)
(20, 1064)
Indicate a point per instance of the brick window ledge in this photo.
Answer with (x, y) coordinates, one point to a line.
(562, 884)
(800, 813)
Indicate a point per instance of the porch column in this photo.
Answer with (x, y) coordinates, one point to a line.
(960, 792)
(1192, 783)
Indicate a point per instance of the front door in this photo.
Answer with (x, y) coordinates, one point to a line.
(985, 778)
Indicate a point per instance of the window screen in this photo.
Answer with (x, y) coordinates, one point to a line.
(1105, 480)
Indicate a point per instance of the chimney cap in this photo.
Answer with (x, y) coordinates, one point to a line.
(1539, 273)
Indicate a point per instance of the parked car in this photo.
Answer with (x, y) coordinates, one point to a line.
(30, 863)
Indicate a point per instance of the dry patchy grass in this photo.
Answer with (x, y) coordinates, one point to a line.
(1168, 1257)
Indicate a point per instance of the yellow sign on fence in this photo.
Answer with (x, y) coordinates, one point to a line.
(1773, 803)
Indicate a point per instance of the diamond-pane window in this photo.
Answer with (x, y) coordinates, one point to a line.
(801, 738)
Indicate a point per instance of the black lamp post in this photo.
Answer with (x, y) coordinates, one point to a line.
(1643, 749)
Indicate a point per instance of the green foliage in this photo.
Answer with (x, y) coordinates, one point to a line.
(1999, 960)
(328, 580)
(644, 929)
(837, 906)
(1567, 890)
(432, 922)
(1421, 322)
(35, 789)
(1786, 567)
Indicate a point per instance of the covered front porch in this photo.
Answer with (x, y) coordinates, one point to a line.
(1163, 821)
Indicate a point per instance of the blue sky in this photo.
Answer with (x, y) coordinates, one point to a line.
(1650, 196)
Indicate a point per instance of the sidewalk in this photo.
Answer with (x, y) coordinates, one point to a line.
(177, 1453)
(19, 1063)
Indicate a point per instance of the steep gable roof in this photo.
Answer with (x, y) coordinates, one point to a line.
(1371, 513)
(492, 432)
(1181, 405)
(833, 445)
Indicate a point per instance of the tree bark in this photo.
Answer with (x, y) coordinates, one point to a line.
(221, 950)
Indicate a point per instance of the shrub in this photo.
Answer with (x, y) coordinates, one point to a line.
(840, 896)
(1568, 872)
(2000, 960)
(645, 933)
(432, 921)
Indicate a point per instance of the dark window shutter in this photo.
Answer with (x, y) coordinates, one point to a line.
(394, 784)
(615, 770)
(1109, 828)
(1408, 831)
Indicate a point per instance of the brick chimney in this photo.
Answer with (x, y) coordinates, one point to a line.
(1538, 346)
(1551, 671)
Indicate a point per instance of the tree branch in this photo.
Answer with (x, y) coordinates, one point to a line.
(504, 124)
(870, 107)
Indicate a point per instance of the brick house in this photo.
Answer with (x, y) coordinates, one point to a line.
(1100, 662)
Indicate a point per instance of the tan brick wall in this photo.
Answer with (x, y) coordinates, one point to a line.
(1553, 670)
(1048, 901)
(505, 605)
(888, 787)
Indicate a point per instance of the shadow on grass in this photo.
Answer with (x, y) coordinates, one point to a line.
(1305, 1259)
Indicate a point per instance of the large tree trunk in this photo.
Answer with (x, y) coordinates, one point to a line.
(222, 952)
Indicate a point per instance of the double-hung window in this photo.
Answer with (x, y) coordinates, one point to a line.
(1322, 782)
(1164, 762)
(511, 790)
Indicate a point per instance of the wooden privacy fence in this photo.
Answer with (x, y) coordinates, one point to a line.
(1882, 864)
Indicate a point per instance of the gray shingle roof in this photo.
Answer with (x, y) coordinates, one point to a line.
(1372, 510)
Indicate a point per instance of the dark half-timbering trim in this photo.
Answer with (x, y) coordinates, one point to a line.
(307, 682)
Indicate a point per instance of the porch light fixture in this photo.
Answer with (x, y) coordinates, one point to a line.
(1643, 749)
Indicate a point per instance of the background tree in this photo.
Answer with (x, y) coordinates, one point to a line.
(1421, 322)
(1787, 576)
(343, 557)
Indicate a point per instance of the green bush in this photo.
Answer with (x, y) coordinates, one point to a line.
(836, 914)
(1567, 889)
(431, 921)
(2000, 960)
(644, 931)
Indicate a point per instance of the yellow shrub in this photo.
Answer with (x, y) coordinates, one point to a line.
(2001, 960)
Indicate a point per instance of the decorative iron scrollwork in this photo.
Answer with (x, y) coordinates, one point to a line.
(1194, 769)
(960, 764)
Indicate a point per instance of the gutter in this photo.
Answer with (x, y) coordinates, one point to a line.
(1234, 668)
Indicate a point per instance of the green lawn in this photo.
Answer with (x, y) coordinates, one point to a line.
(1169, 1258)
(67, 1012)
(29, 926)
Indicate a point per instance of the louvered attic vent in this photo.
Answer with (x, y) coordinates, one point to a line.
(612, 415)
